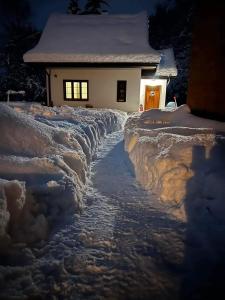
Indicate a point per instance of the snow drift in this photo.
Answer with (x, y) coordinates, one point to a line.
(181, 158)
(44, 159)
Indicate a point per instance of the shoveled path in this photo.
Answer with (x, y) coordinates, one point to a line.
(123, 245)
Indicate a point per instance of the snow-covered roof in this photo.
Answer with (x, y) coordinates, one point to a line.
(94, 39)
(167, 66)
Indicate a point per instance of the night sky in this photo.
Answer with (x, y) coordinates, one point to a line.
(41, 9)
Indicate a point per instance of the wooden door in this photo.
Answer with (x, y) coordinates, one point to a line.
(152, 96)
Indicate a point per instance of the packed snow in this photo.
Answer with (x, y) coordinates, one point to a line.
(119, 247)
(180, 157)
(126, 243)
(45, 155)
(98, 38)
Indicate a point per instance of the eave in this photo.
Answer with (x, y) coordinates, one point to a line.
(92, 65)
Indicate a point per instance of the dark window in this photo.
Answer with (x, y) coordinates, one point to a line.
(148, 72)
(121, 90)
(75, 90)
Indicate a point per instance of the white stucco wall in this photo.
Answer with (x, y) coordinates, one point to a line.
(102, 86)
(154, 82)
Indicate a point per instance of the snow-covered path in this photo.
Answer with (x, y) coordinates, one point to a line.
(120, 246)
(123, 245)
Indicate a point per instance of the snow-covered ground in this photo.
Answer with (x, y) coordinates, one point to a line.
(181, 158)
(161, 239)
(44, 159)
(118, 248)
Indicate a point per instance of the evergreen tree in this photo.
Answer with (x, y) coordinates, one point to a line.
(171, 26)
(94, 7)
(73, 7)
(19, 36)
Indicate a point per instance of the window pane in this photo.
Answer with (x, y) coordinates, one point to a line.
(68, 84)
(68, 90)
(76, 90)
(121, 90)
(68, 95)
(84, 85)
(84, 88)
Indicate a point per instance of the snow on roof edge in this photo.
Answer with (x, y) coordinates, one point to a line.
(167, 66)
(90, 58)
(128, 40)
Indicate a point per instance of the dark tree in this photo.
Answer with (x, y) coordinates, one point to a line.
(95, 7)
(17, 37)
(171, 26)
(14, 11)
(73, 7)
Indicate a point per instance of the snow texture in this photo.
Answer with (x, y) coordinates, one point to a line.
(125, 245)
(95, 39)
(167, 66)
(113, 250)
(12, 201)
(179, 157)
(44, 159)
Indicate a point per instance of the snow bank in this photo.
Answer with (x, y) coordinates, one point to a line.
(44, 159)
(181, 158)
(11, 204)
(17, 223)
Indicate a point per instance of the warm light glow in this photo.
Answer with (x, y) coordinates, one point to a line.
(68, 90)
(76, 90)
(84, 90)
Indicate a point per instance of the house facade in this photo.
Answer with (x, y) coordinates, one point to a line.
(103, 62)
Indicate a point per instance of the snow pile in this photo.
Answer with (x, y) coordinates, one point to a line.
(12, 200)
(44, 159)
(16, 213)
(181, 158)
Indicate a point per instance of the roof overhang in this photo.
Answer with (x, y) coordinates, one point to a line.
(95, 65)
(167, 66)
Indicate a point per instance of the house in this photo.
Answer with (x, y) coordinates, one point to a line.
(103, 61)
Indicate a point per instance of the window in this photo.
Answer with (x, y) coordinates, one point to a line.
(75, 90)
(121, 90)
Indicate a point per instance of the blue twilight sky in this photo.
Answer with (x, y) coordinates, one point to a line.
(41, 9)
